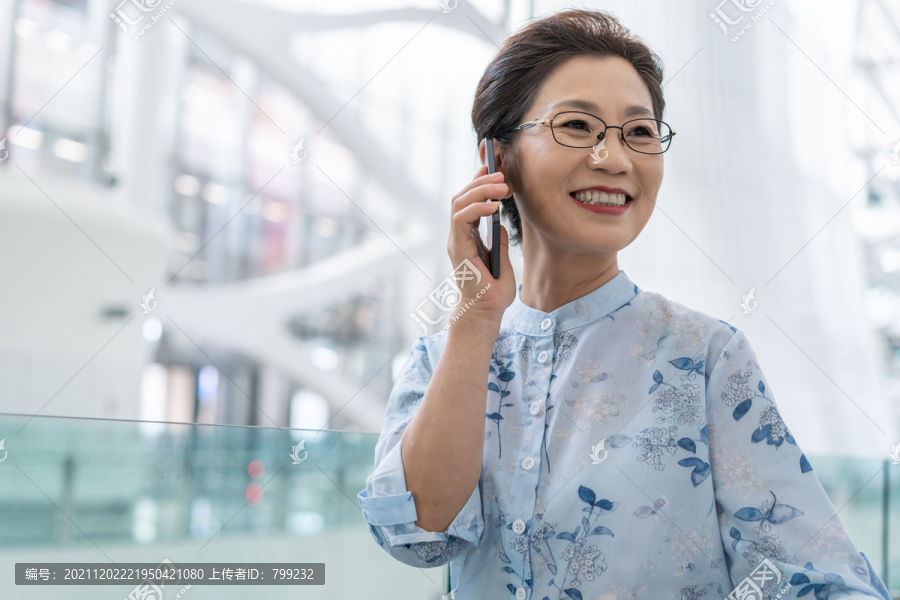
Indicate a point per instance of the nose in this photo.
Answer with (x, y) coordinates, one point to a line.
(616, 152)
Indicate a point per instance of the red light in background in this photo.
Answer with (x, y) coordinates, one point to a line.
(254, 494)
(256, 469)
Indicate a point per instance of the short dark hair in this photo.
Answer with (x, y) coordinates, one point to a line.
(526, 59)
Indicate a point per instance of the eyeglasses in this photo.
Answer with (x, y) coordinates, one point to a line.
(576, 129)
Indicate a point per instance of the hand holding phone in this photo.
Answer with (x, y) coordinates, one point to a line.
(483, 298)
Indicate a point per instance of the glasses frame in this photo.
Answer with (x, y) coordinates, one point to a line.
(600, 136)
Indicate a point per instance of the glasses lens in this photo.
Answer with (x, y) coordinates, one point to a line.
(576, 129)
(581, 130)
(647, 135)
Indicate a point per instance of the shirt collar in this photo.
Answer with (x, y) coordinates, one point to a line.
(594, 305)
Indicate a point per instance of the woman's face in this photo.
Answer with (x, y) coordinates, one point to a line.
(544, 173)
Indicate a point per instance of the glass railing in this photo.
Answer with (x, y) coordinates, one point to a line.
(111, 492)
(866, 493)
(104, 491)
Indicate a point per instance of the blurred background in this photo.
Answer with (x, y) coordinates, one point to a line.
(230, 214)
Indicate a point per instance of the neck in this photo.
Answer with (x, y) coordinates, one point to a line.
(549, 281)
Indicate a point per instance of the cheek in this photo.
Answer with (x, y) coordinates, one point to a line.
(650, 180)
(542, 176)
(656, 175)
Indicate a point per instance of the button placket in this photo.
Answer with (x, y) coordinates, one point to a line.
(534, 408)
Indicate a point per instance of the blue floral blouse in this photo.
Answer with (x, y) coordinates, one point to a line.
(656, 423)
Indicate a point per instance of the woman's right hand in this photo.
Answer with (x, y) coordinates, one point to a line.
(468, 207)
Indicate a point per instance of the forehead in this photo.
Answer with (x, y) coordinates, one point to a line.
(611, 83)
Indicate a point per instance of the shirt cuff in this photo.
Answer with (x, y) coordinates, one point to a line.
(386, 503)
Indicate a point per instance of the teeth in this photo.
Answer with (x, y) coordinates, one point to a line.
(601, 198)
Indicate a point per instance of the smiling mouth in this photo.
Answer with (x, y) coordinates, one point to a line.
(596, 198)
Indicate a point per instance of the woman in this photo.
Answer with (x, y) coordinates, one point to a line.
(584, 438)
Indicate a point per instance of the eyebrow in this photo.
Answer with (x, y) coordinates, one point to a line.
(632, 111)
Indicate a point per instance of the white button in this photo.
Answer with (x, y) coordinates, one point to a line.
(542, 357)
(521, 593)
(535, 408)
(518, 525)
(528, 463)
(546, 323)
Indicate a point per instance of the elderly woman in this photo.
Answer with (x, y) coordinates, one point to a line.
(577, 437)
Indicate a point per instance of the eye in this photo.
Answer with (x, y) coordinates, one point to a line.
(578, 122)
(643, 129)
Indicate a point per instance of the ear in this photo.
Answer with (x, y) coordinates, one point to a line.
(481, 151)
(499, 151)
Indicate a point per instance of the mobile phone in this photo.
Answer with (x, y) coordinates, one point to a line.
(489, 227)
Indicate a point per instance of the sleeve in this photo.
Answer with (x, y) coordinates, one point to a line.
(388, 507)
(770, 504)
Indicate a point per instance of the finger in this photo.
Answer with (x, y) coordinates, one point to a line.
(465, 220)
(482, 177)
(471, 215)
(487, 191)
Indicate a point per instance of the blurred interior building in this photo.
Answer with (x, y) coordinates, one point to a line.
(280, 207)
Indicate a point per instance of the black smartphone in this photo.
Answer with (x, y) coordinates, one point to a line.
(489, 228)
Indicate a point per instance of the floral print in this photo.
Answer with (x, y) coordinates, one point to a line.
(633, 450)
